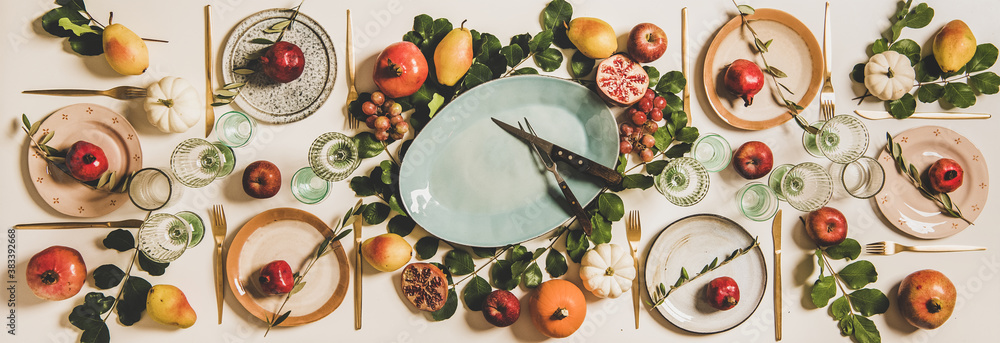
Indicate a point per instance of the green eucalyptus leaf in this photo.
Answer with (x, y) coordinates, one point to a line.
(513, 54)
(50, 21)
(522, 40)
(823, 290)
(525, 71)
(654, 76)
(85, 317)
(601, 229)
(858, 274)
(439, 29)
(475, 293)
(637, 181)
(362, 186)
(776, 72)
(869, 301)
(375, 213)
(281, 318)
(576, 245)
(88, 44)
(846, 325)
(556, 13)
(264, 41)
(620, 164)
(880, 46)
(107, 276)
(119, 239)
(865, 330)
(477, 74)
(459, 262)
(423, 25)
(484, 252)
(532, 276)
(450, 305)
(849, 249)
(426, 247)
(927, 70)
(519, 253)
(674, 102)
(840, 308)
(984, 58)
(745, 9)
(664, 136)
(243, 71)
(76, 5)
(930, 92)
(656, 167)
(678, 150)
(153, 268)
(986, 83)
(99, 334)
(503, 278)
(549, 59)
(858, 73)
(76, 29)
(671, 82)
(580, 65)
(959, 94)
(133, 300)
(555, 264)
(401, 225)
(98, 302)
(489, 45)
(908, 48)
(919, 17)
(902, 108)
(610, 205)
(678, 119)
(540, 42)
(688, 134)
(368, 146)
(560, 39)
(761, 46)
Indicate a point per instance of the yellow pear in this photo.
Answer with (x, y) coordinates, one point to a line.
(453, 56)
(594, 38)
(954, 46)
(386, 252)
(125, 51)
(166, 304)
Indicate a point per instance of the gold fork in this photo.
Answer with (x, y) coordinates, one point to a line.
(827, 97)
(890, 248)
(352, 93)
(218, 218)
(120, 92)
(633, 231)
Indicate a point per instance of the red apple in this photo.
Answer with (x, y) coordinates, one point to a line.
(56, 273)
(276, 278)
(753, 160)
(926, 298)
(86, 161)
(826, 226)
(501, 308)
(646, 43)
(283, 62)
(722, 293)
(261, 179)
(945, 175)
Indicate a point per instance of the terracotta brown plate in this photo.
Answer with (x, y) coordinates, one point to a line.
(794, 50)
(292, 235)
(102, 127)
(907, 210)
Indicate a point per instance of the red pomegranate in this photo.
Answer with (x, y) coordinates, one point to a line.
(425, 286)
(744, 79)
(621, 80)
(400, 70)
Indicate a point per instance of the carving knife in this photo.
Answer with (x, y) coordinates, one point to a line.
(126, 224)
(776, 236)
(558, 153)
(876, 115)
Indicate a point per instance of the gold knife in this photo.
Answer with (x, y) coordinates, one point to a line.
(684, 64)
(209, 72)
(126, 224)
(876, 115)
(357, 272)
(776, 235)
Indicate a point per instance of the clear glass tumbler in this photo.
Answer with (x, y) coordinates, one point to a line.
(196, 162)
(307, 187)
(151, 189)
(712, 151)
(163, 237)
(684, 181)
(234, 129)
(333, 156)
(843, 139)
(757, 201)
(807, 187)
(862, 178)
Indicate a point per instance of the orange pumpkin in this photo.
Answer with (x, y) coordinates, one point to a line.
(557, 308)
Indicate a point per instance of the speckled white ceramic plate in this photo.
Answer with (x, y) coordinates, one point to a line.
(907, 210)
(95, 124)
(273, 102)
(692, 243)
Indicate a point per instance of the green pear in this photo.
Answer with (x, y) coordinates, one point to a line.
(594, 38)
(453, 56)
(954, 46)
(125, 51)
(166, 304)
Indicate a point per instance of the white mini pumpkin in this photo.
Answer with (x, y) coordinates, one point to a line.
(889, 75)
(173, 105)
(607, 270)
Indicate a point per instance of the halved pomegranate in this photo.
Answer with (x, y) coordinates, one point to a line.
(425, 286)
(621, 80)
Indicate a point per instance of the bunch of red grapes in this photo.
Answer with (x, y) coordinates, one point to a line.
(640, 123)
(384, 116)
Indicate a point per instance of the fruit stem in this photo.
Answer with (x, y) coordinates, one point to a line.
(50, 277)
(462, 26)
(560, 314)
(166, 102)
(889, 73)
(933, 305)
(609, 272)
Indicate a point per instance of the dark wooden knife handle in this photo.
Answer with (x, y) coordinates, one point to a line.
(576, 207)
(586, 165)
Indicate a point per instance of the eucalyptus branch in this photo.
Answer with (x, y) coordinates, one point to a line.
(488, 263)
(943, 200)
(291, 20)
(836, 277)
(662, 291)
(128, 273)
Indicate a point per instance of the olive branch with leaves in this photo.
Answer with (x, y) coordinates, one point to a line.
(661, 292)
(943, 200)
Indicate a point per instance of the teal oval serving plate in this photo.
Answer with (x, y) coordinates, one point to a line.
(467, 181)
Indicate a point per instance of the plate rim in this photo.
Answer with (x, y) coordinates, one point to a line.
(269, 217)
(227, 74)
(610, 117)
(763, 262)
(708, 75)
(895, 174)
(120, 198)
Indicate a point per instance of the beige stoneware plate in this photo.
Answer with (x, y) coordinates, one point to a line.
(292, 235)
(903, 206)
(794, 50)
(95, 124)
